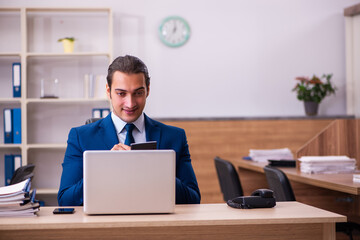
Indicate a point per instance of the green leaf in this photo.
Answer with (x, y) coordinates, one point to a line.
(72, 39)
(315, 91)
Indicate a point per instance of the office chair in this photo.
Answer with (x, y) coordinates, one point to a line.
(22, 173)
(228, 178)
(91, 120)
(280, 184)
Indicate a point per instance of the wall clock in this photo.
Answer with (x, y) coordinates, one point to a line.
(174, 31)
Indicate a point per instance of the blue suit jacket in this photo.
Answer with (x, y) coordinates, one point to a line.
(101, 135)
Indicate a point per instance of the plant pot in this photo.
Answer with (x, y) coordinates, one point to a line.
(68, 46)
(311, 108)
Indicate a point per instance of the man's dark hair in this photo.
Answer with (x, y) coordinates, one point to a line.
(128, 64)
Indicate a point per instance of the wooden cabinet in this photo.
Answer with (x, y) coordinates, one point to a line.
(30, 36)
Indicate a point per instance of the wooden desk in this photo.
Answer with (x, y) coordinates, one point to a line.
(288, 220)
(337, 182)
(332, 192)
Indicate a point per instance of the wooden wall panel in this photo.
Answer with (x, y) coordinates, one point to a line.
(341, 137)
(231, 139)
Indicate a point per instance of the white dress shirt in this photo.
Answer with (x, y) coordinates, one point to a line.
(138, 132)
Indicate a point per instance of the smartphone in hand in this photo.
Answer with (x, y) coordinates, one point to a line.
(151, 145)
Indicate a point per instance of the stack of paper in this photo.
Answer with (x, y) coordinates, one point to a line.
(259, 155)
(327, 164)
(15, 200)
(356, 177)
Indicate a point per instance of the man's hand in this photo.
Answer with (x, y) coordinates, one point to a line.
(120, 147)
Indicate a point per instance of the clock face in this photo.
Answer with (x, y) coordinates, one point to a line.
(174, 31)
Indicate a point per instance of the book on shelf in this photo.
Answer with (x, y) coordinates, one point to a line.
(100, 87)
(91, 85)
(16, 125)
(16, 200)
(100, 112)
(12, 125)
(8, 134)
(16, 79)
(11, 163)
(105, 112)
(95, 86)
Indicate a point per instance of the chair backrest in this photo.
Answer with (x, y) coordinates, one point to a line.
(279, 183)
(91, 120)
(22, 173)
(228, 178)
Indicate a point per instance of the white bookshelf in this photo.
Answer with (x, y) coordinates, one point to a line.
(10, 146)
(9, 54)
(69, 100)
(30, 37)
(9, 100)
(67, 54)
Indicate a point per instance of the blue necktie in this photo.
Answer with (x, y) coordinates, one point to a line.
(129, 137)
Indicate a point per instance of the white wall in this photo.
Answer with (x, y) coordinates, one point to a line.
(242, 57)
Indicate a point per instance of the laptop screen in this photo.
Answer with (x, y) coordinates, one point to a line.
(126, 182)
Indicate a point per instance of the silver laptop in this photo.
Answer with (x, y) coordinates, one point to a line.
(129, 182)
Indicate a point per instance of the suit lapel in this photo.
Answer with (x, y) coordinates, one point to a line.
(152, 130)
(107, 131)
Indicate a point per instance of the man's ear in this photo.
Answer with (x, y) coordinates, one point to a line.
(108, 91)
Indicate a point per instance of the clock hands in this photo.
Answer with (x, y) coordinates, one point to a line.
(174, 27)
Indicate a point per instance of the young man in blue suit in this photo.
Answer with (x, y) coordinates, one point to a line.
(128, 86)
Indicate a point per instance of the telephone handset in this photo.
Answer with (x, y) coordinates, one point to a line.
(261, 198)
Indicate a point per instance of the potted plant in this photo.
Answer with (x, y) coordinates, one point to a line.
(68, 44)
(313, 90)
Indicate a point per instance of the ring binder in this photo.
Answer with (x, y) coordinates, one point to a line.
(16, 120)
(16, 77)
(8, 128)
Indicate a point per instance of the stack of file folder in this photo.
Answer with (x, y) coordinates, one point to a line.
(356, 178)
(16, 200)
(327, 164)
(263, 155)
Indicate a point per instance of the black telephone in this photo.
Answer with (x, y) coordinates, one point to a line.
(261, 198)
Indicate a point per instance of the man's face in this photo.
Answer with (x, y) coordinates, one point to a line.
(128, 95)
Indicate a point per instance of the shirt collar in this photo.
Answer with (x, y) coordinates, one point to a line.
(120, 124)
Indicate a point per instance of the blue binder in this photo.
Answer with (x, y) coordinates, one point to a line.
(16, 123)
(16, 79)
(100, 112)
(96, 113)
(9, 168)
(8, 128)
(105, 112)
